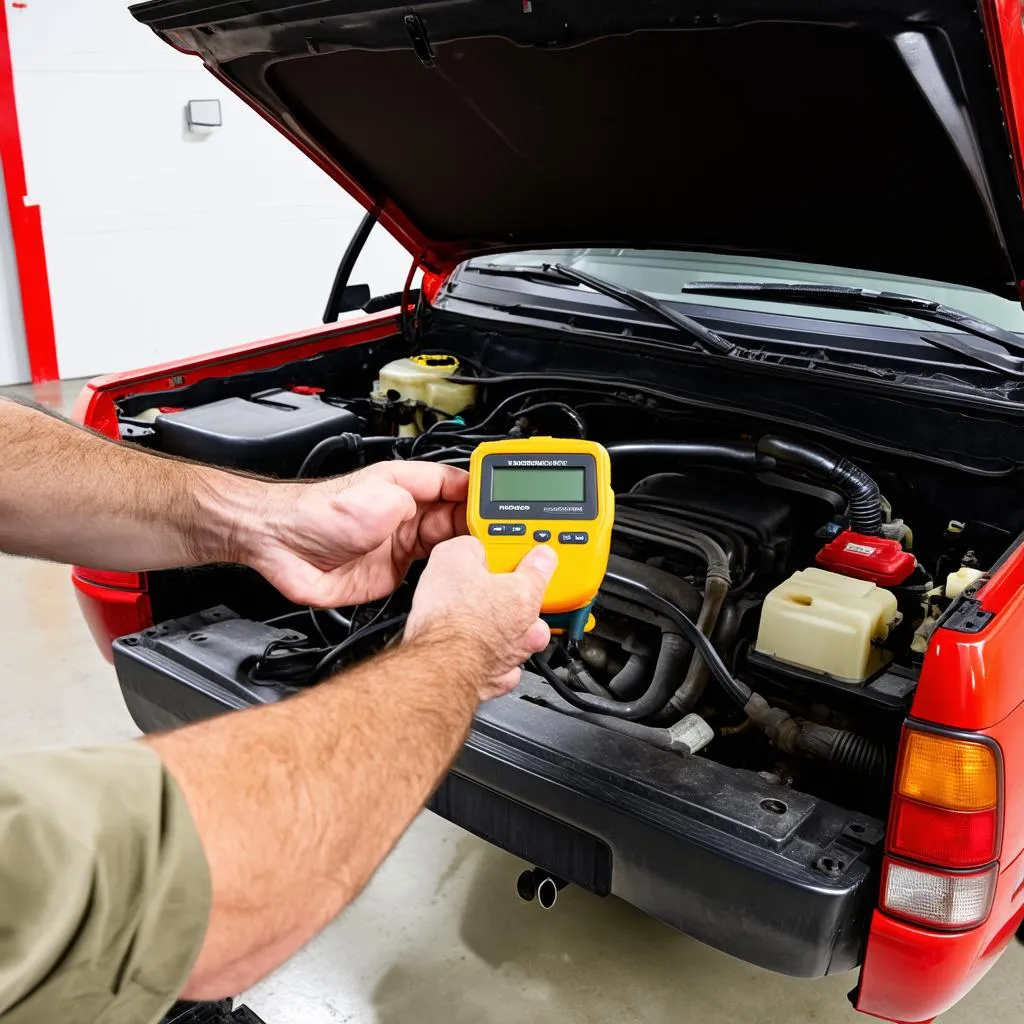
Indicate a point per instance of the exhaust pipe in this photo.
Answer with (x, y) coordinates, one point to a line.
(547, 892)
(526, 885)
(538, 883)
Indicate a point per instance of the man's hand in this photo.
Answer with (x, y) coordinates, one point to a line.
(485, 615)
(351, 539)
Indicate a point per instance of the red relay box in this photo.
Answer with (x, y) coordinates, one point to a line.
(877, 559)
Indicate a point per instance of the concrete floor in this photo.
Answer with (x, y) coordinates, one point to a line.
(439, 935)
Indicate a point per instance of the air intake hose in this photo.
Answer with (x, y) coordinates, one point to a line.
(864, 502)
(861, 492)
(856, 754)
(699, 454)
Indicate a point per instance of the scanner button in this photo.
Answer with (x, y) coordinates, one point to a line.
(573, 538)
(542, 536)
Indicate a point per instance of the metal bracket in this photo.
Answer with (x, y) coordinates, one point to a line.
(966, 616)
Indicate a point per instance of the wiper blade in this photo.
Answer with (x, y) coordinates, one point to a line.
(641, 301)
(845, 297)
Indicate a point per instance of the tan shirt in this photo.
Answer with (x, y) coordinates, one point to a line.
(104, 887)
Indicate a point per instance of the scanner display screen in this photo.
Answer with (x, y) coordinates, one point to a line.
(538, 484)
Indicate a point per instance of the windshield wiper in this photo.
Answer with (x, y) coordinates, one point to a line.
(641, 301)
(844, 297)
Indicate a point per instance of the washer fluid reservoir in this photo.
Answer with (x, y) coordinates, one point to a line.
(424, 379)
(827, 623)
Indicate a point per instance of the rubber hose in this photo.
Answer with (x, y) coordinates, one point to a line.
(718, 455)
(578, 673)
(707, 549)
(644, 594)
(626, 683)
(731, 537)
(737, 690)
(727, 628)
(657, 737)
(864, 502)
(857, 754)
(626, 527)
(672, 656)
(671, 659)
(343, 442)
(673, 588)
(315, 459)
(692, 687)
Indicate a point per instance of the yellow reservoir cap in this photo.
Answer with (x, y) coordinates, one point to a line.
(438, 362)
(958, 775)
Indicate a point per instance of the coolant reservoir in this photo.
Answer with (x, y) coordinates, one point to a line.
(827, 623)
(957, 582)
(423, 379)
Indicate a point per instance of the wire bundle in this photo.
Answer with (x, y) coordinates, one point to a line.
(291, 663)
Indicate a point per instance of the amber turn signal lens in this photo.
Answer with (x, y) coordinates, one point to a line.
(958, 775)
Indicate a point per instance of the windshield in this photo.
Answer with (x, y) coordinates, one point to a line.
(662, 273)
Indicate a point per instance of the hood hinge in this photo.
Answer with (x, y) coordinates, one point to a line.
(417, 33)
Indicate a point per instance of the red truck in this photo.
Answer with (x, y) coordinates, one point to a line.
(771, 254)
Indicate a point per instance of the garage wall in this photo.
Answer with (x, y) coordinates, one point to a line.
(13, 358)
(161, 243)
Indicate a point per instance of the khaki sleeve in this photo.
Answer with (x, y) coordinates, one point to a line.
(104, 887)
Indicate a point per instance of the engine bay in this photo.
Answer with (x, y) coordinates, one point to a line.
(815, 581)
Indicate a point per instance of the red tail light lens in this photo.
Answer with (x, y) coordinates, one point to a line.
(955, 839)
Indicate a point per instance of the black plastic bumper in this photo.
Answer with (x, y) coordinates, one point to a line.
(772, 876)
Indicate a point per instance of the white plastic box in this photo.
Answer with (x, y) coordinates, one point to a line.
(828, 623)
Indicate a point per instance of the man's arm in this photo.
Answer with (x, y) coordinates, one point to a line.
(297, 804)
(69, 495)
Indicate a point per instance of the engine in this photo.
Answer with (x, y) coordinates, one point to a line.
(766, 602)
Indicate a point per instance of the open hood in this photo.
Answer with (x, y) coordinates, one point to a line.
(876, 135)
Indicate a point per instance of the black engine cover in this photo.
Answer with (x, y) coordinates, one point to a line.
(271, 432)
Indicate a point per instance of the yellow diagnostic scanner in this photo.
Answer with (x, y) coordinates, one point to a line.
(546, 490)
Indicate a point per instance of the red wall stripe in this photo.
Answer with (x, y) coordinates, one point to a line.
(26, 228)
